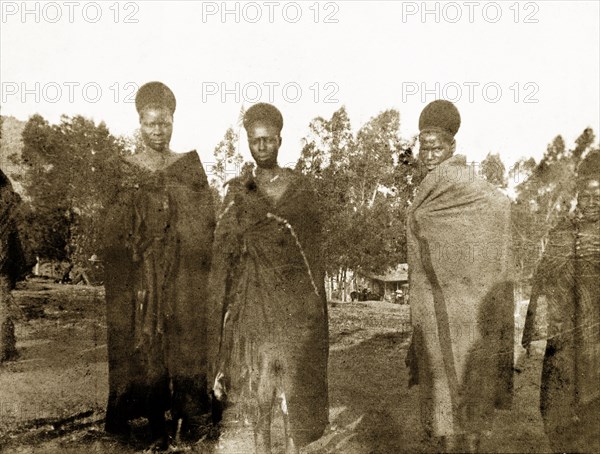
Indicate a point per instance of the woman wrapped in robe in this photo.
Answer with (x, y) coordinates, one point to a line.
(157, 255)
(568, 275)
(270, 314)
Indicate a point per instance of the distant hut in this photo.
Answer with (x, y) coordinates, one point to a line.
(391, 286)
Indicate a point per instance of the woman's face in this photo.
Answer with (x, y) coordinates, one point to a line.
(588, 199)
(156, 125)
(434, 149)
(264, 141)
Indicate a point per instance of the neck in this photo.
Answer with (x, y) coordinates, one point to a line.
(149, 150)
(267, 172)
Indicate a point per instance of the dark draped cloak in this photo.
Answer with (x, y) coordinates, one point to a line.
(461, 297)
(158, 235)
(12, 265)
(570, 385)
(270, 312)
(12, 257)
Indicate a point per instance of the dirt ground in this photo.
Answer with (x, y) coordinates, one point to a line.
(52, 398)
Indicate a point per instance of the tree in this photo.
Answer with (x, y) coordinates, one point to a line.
(46, 215)
(546, 195)
(377, 227)
(364, 182)
(11, 147)
(227, 164)
(493, 170)
(72, 173)
(134, 143)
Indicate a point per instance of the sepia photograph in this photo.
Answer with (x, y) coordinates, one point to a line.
(299, 227)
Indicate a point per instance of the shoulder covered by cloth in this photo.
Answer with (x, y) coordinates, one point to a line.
(454, 182)
(190, 162)
(455, 210)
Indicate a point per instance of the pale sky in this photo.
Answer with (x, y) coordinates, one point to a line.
(366, 55)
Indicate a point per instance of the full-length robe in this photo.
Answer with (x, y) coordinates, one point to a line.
(270, 312)
(461, 296)
(157, 252)
(570, 385)
(12, 264)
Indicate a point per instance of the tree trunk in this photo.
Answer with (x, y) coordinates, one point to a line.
(330, 288)
(372, 201)
(344, 299)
